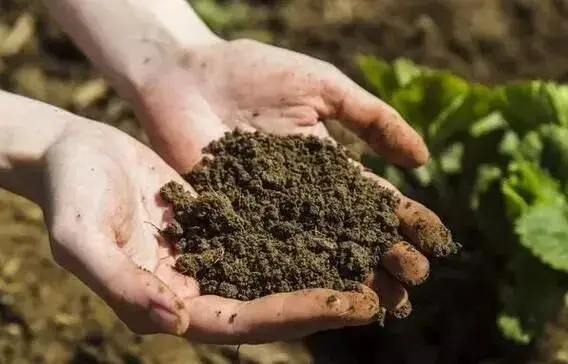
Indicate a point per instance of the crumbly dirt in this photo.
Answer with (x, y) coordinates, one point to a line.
(279, 214)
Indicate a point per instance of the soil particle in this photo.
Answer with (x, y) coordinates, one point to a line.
(279, 214)
(232, 318)
(331, 300)
(403, 311)
(436, 240)
(380, 316)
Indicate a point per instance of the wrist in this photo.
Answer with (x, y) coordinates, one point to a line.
(165, 64)
(130, 41)
(24, 140)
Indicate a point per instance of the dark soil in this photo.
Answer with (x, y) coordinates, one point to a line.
(279, 214)
(489, 41)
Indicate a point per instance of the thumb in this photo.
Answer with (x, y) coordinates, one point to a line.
(139, 298)
(374, 121)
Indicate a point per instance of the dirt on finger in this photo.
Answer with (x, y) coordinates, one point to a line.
(425, 229)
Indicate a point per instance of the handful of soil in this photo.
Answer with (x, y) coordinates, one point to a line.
(279, 214)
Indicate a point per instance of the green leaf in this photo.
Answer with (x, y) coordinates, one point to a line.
(527, 105)
(487, 124)
(408, 102)
(532, 296)
(394, 176)
(221, 16)
(468, 106)
(429, 103)
(424, 174)
(512, 329)
(543, 229)
(379, 75)
(486, 175)
(406, 71)
(516, 204)
(554, 157)
(530, 147)
(509, 145)
(558, 95)
(451, 157)
(533, 184)
(438, 104)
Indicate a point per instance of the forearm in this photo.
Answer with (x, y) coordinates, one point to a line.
(129, 39)
(27, 129)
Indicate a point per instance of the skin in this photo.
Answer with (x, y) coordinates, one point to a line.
(97, 187)
(208, 91)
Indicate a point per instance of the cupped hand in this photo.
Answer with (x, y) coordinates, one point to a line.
(103, 213)
(202, 93)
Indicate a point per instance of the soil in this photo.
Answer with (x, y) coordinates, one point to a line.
(278, 214)
(489, 41)
(47, 316)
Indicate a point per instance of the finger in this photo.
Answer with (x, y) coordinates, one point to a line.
(406, 263)
(185, 286)
(425, 229)
(420, 225)
(283, 316)
(375, 121)
(89, 214)
(141, 300)
(392, 295)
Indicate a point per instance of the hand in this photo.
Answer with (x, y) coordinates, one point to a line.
(102, 208)
(201, 93)
(209, 90)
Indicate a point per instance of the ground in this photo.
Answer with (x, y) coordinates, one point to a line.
(47, 316)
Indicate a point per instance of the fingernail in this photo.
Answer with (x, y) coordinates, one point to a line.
(165, 319)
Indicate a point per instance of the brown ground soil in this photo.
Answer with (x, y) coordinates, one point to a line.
(47, 316)
(279, 214)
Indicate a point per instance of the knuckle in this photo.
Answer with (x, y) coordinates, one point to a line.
(331, 68)
(60, 232)
(57, 255)
(246, 42)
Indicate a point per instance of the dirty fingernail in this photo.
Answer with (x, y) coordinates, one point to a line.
(403, 311)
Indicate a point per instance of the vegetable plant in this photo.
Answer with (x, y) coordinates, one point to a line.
(499, 167)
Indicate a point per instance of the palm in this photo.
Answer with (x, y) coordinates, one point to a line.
(103, 217)
(104, 185)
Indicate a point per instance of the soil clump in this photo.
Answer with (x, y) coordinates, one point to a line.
(279, 214)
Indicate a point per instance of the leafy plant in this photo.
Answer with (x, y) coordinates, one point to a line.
(221, 16)
(233, 19)
(500, 163)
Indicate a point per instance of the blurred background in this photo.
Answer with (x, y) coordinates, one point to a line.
(466, 73)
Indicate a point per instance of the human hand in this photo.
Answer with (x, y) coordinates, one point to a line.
(103, 209)
(206, 91)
